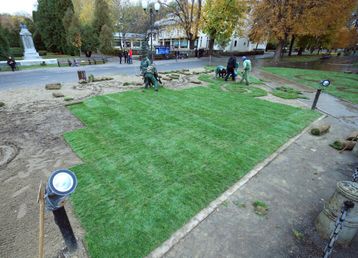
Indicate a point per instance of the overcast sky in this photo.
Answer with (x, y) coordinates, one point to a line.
(17, 6)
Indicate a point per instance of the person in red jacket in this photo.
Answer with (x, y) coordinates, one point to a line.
(130, 55)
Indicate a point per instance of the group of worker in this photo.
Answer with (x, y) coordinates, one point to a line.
(232, 69)
(150, 73)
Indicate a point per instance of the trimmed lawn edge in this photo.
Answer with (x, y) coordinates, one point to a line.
(305, 86)
(203, 214)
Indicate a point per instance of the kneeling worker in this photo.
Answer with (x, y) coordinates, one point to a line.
(150, 76)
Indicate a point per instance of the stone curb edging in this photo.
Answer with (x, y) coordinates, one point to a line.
(203, 214)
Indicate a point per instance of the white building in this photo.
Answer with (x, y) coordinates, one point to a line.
(128, 40)
(168, 33)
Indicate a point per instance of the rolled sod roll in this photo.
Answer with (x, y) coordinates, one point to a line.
(343, 145)
(319, 130)
(353, 136)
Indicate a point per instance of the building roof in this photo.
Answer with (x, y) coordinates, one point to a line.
(170, 19)
(129, 35)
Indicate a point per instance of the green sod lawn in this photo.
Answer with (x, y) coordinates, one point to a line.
(344, 86)
(153, 161)
(287, 93)
(304, 58)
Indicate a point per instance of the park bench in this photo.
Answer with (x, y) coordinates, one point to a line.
(82, 61)
(5, 67)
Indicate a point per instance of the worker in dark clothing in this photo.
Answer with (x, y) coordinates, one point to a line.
(230, 68)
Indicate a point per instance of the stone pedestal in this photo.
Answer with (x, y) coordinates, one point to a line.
(325, 222)
(30, 52)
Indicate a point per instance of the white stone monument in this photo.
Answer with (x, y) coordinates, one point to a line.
(30, 52)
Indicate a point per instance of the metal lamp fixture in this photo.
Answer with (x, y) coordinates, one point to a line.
(145, 5)
(325, 83)
(60, 185)
(151, 15)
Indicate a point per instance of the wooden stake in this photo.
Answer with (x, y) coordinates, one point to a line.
(41, 201)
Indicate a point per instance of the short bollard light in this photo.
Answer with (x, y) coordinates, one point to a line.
(60, 185)
(324, 84)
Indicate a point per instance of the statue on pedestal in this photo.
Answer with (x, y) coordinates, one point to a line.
(30, 52)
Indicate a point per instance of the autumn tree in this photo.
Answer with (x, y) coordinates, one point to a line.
(221, 19)
(11, 27)
(130, 18)
(84, 10)
(189, 13)
(285, 19)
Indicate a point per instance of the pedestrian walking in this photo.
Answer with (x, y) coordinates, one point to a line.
(125, 54)
(246, 69)
(230, 68)
(176, 55)
(120, 55)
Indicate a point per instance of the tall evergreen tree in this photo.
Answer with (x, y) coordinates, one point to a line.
(4, 45)
(106, 40)
(90, 40)
(101, 16)
(74, 37)
(48, 19)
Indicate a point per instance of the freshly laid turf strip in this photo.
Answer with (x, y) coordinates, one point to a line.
(344, 86)
(152, 161)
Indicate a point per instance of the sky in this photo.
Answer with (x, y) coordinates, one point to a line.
(17, 6)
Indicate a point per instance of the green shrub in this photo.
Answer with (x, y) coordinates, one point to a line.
(16, 51)
(42, 52)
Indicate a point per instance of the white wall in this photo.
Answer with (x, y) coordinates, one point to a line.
(173, 34)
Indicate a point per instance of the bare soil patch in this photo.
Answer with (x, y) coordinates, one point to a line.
(32, 124)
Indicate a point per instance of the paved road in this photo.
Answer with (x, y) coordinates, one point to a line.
(36, 77)
(40, 77)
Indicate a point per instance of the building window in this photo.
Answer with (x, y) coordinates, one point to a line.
(235, 43)
(244, 43)
(183, 43)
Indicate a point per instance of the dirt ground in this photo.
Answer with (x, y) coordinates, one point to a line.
(32, 124)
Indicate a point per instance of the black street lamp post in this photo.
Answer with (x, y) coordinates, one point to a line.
(151, 15)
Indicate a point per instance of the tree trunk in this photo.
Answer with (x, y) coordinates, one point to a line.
(300, 51)
(291, 45)
(192, 43)
(211, 45)
(279, 51)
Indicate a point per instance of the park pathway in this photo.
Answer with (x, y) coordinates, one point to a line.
(345, 111)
